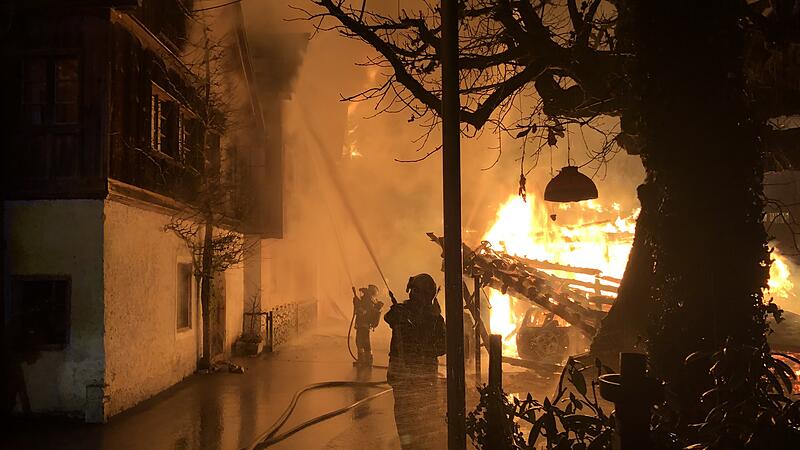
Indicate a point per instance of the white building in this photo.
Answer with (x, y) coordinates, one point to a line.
(106, 155)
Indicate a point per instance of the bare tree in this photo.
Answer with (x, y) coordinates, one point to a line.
(207, 224)
(566, 58)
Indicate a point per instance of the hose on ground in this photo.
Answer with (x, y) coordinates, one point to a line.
(270, 436)
(318, 419)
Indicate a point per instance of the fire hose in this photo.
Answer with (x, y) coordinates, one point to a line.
(350, 349)
(347, 271)
(271, 436)
(337, 183)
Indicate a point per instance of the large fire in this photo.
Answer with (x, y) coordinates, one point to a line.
(585, 234)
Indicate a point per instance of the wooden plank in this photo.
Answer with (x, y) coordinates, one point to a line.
(528, 364)
(546, 265)
(506, 274)
(476, 317)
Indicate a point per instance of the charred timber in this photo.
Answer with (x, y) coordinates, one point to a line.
(508, 274)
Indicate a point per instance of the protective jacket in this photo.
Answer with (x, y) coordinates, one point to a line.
(368, 311)
(418, 333)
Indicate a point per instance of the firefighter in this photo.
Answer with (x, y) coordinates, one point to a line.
(418, 339)
(367, 310)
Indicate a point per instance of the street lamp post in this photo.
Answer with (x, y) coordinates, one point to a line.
(451, 179)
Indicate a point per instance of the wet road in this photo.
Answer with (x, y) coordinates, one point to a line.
(229, 411)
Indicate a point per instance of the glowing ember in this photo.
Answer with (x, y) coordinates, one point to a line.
(585, 234)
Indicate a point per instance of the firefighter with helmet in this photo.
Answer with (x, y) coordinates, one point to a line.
(418, 339)
(367, 310)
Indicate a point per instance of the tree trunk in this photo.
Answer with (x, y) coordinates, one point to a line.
(208, 215)
(624, 329)
(205, 292)
(701, 151)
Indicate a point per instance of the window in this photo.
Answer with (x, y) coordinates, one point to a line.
(50, 114)
(184, 294)
(51, 91)
(41, 310)
(188, 134)
(157, 121)
(165, 124)
(34, 90)
(65, 94)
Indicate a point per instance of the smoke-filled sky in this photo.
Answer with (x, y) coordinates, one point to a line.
(396, 202)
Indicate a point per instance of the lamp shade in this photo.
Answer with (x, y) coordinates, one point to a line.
(570, 186)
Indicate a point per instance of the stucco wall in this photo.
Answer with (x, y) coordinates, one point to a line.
(123, 334)
(145, 353)
(234, 305)
(62, 237)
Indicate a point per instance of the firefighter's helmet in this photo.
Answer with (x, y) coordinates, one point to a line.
(424, 284)
(371, 290)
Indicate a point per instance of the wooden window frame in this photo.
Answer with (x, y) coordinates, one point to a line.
(179, 325)
(50, 102)
(169, 124)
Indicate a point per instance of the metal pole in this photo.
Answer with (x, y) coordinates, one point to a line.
(494, 414)
(451, 179)
(476, 306)
(496, 361)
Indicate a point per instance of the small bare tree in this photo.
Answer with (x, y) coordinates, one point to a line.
(206, 224)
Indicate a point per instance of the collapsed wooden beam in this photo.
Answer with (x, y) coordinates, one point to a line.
(547, 265)
(512, 275)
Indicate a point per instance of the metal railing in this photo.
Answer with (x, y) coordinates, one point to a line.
(282, 323)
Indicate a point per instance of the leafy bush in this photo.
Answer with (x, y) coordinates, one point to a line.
(749, 405)
(573, 420)
(749, 408)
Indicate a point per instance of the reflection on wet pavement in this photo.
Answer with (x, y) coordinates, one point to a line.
(228, 411)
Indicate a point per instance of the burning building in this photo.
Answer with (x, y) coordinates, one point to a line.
(562, 264)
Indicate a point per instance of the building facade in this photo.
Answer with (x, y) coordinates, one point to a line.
(112, 139)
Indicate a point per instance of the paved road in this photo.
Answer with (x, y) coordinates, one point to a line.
(228, 411)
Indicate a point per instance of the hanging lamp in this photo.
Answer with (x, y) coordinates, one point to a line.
(570, 186)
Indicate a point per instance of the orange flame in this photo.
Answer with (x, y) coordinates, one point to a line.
(590, 235)
(780, 282)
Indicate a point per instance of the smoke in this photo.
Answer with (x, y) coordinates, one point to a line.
(396, 202)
